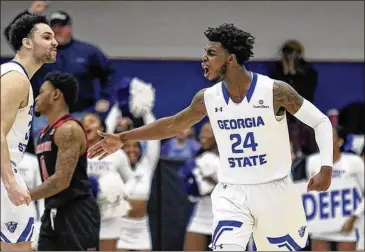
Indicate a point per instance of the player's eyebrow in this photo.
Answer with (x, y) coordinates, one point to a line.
(47, 33)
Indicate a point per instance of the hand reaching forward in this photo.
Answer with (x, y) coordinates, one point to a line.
(108, 145)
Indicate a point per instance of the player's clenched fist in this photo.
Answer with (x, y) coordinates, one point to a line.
(321, 181)
(18, 195)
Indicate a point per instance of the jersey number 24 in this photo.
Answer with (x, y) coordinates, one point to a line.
(248, 142)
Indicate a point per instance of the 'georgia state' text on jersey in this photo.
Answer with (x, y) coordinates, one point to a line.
(18, 136)
(253, 143)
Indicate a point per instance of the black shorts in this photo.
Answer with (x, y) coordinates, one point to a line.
(75, 226)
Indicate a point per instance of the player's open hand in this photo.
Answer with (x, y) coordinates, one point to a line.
(321, 181)
(108, 145)
(18, 195)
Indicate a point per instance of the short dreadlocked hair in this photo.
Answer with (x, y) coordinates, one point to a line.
(66, 83)
(234, 40)
(24, 27)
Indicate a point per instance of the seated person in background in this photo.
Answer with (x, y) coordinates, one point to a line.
(28, 167)
(345, 165)
(181, 146)
(118, 164)
(134, 229)
(202, 170)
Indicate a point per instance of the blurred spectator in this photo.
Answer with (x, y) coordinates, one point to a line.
(345, 165)
(86, 62)
(352, 118)
(37, 7)
(298, 170)
(294, 70)
(181, 146)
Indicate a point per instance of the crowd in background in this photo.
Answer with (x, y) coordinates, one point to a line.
(104, 104)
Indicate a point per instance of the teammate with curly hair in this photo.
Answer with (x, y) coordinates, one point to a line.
(255, 194)
(34, 44)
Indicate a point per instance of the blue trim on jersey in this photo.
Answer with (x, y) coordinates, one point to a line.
(225, 225)
(225, 92)
(3, 238)
(13, 61)
(249, 93)
(285, 241)
(28, 230)
(251, 89)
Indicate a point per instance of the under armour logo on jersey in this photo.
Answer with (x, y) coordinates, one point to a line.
(219, 109)
(301, 231)
(11, 225)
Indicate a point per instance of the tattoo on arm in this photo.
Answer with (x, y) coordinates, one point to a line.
(69, 139)
(285, 97)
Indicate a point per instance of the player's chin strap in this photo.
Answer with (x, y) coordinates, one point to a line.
(313, 117)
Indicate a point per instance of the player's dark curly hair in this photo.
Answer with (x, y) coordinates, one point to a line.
(66, 83)
(234, 40)
(24, 27)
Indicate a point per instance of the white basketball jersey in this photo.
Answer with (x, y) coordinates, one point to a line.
(18, 136)
(253, 144)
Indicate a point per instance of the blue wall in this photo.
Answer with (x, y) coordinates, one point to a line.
(176, 82)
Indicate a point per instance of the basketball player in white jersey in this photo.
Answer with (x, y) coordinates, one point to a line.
(33, 41)
(28, 168)
(247, 110)
(345, 165)
(117, 163)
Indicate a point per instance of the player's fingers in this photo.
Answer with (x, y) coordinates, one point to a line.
(104, 155)
(28, 200)
(95, 151)
(107, 148)
(102, 134)
(310, 183)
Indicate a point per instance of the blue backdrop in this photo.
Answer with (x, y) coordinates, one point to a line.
(177, 81)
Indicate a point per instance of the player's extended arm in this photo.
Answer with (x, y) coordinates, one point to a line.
(68, 138)
(286, 97)
(14, 90)
(169, 126)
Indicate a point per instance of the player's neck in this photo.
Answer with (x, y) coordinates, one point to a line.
(237, 81)
(29, 64)
(336, 155)
(54, 116)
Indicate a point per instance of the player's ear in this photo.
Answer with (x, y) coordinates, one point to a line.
(27, 43)
(57, 94)
(232, 58)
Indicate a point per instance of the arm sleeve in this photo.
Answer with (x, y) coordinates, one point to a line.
(314, 118)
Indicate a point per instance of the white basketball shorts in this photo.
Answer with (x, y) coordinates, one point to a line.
(273, 212)
(17, 222)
